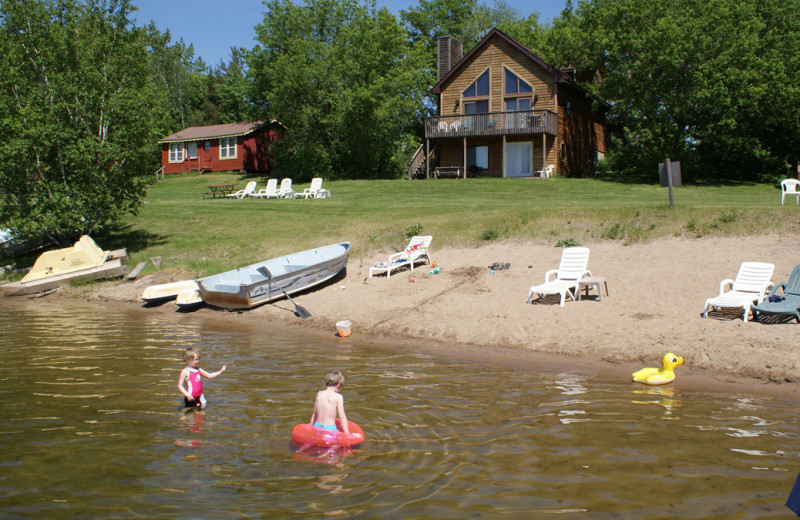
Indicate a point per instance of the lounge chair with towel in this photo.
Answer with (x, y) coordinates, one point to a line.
(416, 251)
(785, 304)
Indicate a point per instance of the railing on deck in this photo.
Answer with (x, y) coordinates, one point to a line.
(493, 123)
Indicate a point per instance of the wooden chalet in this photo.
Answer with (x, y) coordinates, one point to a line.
(230, 147)
(503, 112)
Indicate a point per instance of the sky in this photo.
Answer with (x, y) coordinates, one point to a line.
(213, 27)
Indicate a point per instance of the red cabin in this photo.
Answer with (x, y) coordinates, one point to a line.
(232, 147)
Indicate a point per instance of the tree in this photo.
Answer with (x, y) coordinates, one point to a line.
(182, 78)
(713, 83)
(233, 89)
(75, 116)
(344, 80)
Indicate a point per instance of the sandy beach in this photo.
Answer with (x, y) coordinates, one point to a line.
(656, 294)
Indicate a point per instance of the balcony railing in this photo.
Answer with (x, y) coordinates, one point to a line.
(493, 123)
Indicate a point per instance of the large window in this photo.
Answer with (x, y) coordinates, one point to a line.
(227, 148)
(478, 89)
(176, 152)
(517, 93)
(515, 85)
(477, 158)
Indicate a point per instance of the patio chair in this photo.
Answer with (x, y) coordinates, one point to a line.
(416, 251)
(285, 191)
(270, 192)
(314, 191)
(790, 187)
(567, 276)
(250, 188)
(786, 304)
(547, 172)
(750, 286)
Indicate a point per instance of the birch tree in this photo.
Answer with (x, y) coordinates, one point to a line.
(75, 116)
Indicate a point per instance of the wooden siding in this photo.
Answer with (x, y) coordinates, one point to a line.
(581, 134)
(253, 154)
(495, 56)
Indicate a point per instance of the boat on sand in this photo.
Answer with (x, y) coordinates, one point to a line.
(83, 261)
(250, 286)
(167, 291)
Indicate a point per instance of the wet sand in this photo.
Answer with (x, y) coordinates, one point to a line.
(657, 291)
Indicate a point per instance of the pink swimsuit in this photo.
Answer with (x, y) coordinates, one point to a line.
(195, 382)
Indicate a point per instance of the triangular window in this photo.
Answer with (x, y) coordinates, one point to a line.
(480, 87)
(515, 85)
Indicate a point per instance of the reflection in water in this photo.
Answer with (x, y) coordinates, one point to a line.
(94, 427)
(665, 396)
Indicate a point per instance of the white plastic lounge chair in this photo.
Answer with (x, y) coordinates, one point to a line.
(271, 191)
(750, 286)
(250, 188)
(790, 187)
(547, 172)
(314, 191)
(285, 191)
(417, 250)
(567, 276)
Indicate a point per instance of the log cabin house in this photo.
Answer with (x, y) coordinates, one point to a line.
(503, 112)
(243, 147)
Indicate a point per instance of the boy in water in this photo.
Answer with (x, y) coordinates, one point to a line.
(329, 402)
(193, 377)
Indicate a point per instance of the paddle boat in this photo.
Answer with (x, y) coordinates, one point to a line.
(659, 376)
(269, 280)
(308, 435)
(83, 261)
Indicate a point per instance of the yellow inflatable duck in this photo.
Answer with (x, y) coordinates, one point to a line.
(659, 376)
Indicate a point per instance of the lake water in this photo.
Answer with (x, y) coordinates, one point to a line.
(92, 427)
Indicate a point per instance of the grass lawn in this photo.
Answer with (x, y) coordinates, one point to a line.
(208, 236)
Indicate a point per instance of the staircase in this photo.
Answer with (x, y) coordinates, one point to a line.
(416, 167)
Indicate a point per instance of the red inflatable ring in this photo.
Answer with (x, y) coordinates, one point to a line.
(308, 435)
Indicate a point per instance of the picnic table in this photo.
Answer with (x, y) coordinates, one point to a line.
(219, 190)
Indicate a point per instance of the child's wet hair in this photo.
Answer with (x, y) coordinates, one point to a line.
(190, 354)
(333, 378)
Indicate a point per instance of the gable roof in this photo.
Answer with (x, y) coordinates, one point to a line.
(196, 133)
(559, 75)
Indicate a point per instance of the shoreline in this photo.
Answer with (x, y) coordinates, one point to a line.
(656, 295)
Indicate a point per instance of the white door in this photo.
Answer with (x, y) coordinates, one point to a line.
(518, 159)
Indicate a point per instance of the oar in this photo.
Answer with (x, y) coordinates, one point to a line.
(298, 310)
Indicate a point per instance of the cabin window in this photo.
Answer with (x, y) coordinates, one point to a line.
(176, 152)
(479, 88)
(191, 150)
(207, 146)
(477, 158)
(227, 148)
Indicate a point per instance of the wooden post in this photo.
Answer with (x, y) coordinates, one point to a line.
(669, 182)
(427, 158)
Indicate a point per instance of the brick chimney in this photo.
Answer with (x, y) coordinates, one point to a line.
(448, 54)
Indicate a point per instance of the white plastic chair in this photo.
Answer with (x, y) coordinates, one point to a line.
(790, 187)
(271, 191)
(443, 126)
(752, 282)
(285, 191)
(417, 250)
(567, 277)
(246, 192)
(314, 191)
(547, 172)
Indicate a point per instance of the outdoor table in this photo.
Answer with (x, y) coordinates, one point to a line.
(219, 190)
(587, 282)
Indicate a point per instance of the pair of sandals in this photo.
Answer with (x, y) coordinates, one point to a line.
(776, 299)
(499, 267)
